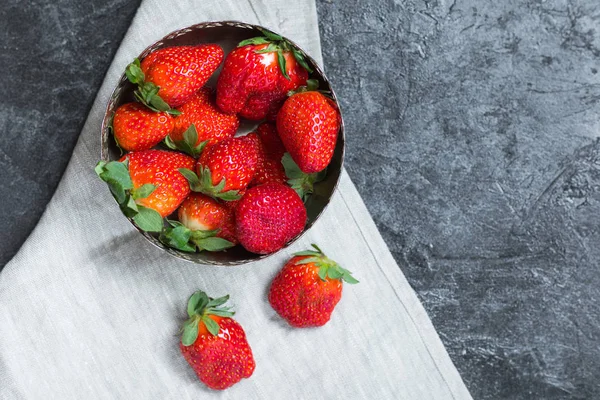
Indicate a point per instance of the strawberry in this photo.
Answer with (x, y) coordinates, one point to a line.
(258, 74)
(202, 213)
(147, 185)
(273, 147)
(214, 344)
(308, 125)
(267, 169)
(138, 128)
(169, 77)
(225, 169)
(307, 289)
(210, 124)
(268, 216)
(160, 168)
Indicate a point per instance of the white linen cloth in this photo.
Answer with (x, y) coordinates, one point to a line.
(90, 310)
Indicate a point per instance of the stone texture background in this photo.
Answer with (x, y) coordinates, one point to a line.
(472, 136)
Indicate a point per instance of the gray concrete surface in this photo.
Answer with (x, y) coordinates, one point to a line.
(472, 137)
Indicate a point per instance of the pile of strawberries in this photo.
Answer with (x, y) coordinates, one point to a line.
(304, 293)
(186, 176)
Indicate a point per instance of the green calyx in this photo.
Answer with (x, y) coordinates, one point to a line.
(277, 44)
(147, 92)
(203, 184)
(188, 144)
(328, 269)
(116, 175)
(301, 182)
(199, 307)
(179, 237)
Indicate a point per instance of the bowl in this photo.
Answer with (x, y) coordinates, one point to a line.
(227, 34)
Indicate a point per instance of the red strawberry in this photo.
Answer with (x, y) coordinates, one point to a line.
(258, 74)
(268, 216)
(267, 169)
(307, 289)
(202, 213)
(210, 123)
(225, 169)
(308, 125)
(169, 77)
(160, 168)
(138, 128)
(214, 344)
(270, 139)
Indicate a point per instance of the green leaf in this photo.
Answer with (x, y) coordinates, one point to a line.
(116, 175)
(213, 244)
(194, 301)
(282, 64)
(230, 195)
(200, 148)
(306, 253)
(129, 207)
(348, 278)
(134, 73)
(190, 332)
(192, 178)
(301, 182)
(317, 248)
(309, 260)
(334, 273)
(220, 186)
(170, 143)
(143, 191)
(222, 313)
(271, 36)
(291, 168)
(271, 48)
(312, 85)
(100, 167)
(197, 235)
(254, 40)
(174, 223)
(322, 273)
(218, 301)
(191, 135)
(301, 60)
(148, 220)
(211, 325)
(177, 237)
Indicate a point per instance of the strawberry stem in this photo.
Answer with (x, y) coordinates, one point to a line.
(280, 45)
(199, 307)
(147, 92)
(328, 269)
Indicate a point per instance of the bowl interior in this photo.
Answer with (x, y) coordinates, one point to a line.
(226, 34)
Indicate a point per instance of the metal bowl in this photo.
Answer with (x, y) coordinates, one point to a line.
(227, 34)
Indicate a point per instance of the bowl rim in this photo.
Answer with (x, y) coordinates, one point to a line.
(108, 111)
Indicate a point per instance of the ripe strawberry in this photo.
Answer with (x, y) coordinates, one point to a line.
(258, 74)
(169, 77)
(138, 128)
(147, 185)
(268, 216)
(210, 123)
(160, 168)
(225, 169)
(267, 169)
(202, 213)
(307, 289)
(214, 344)
(308, 125)
(267, 132)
